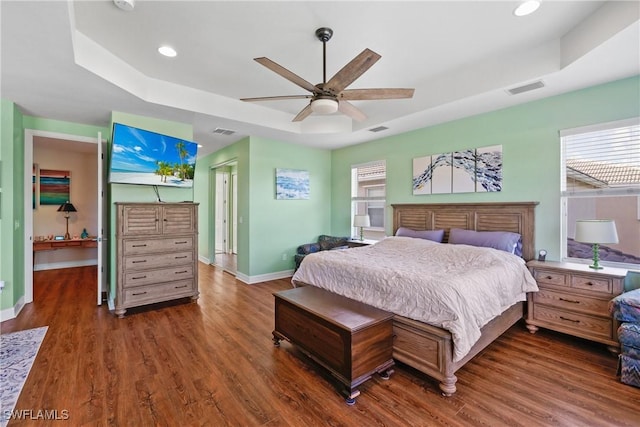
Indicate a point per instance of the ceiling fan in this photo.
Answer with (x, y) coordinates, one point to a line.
(331, 96)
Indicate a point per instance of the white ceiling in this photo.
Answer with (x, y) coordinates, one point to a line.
(78, 61)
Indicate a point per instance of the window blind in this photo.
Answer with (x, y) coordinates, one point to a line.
(602, 159)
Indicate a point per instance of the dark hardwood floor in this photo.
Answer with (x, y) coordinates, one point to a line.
(213, 363)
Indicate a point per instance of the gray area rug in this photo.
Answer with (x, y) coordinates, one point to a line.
(18, 350)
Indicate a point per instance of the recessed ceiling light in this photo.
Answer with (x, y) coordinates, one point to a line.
(526, 8)
(167, 51)
(126, 5)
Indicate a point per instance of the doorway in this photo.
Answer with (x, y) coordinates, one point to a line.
(225, 214)
(80, 161)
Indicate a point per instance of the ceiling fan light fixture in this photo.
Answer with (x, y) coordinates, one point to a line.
(324, 106)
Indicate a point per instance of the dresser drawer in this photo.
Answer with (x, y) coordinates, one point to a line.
(591, 283)
(551, 277)
(138, 262)
(579, 324)
(572, 302)
(154, 293)
(145, 277)
(138, 247)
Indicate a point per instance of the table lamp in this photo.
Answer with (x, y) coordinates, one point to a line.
(596, 231)
(66, 208)
(361, 221)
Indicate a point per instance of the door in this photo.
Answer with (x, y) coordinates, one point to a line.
(234, 213)
(221, 232)
(102, 252)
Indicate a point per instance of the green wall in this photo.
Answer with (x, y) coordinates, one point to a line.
(11, 204)
(142, 193)
(204, 187)
(270, 228)
(529, 137)
(278, 227)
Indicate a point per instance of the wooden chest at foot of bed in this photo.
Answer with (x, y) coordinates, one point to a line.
(350, 339)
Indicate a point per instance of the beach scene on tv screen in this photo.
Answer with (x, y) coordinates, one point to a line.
(144, 157)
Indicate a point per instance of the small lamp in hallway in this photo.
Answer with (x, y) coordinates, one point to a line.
(66, 208)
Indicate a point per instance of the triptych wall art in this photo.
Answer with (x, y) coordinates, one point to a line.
(466, 171)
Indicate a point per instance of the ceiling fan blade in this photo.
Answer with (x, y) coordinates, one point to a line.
(303, 114)
(292, 77)
(366, 94)
(276, 98)
(350, 110)
(350, 72)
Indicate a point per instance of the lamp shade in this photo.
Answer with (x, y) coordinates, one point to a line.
(67, 207)
(361, 221)
(324, 106)
(596, 231)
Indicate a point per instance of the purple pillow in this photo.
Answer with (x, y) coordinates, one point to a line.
(434, 235)
(503, 240)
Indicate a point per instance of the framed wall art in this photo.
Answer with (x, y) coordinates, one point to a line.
(292, 184)
(465, 171)
(54, 186)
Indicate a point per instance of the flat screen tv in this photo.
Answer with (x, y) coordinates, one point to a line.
(140, 156)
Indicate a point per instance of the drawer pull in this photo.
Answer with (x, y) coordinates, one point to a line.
(139, 277)
(570, 300)
(181, 243)
(178, 287)
(137, 262)
(181, 272)
(139, 293)
(570, 320)
(140, 246)
(588, 283)
(180, 257)
(549, 277)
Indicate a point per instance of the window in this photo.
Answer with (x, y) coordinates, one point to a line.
(368, 194)
(601, 180)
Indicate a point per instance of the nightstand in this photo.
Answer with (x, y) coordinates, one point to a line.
(356, 243)
(574, 299)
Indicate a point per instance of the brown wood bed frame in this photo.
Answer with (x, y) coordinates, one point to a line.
(427, 348)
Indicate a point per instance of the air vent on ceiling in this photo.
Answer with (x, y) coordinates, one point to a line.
(378, 129)
(223, 131)
(526, 88)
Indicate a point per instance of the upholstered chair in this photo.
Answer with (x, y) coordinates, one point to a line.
(626, 308)
(324, 243)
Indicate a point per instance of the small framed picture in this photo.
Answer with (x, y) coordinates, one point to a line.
(58, 238)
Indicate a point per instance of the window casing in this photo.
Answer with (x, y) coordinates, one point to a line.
(368, 196)
(601, 180)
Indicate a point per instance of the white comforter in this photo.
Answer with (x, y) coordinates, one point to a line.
(456, 287)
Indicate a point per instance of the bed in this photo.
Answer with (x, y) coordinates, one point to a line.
(425, 347)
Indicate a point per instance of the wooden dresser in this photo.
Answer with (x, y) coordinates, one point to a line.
(574, 299)
(156, 253)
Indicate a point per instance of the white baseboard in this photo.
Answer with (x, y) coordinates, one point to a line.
(69, 264)
(204, 259)
(12, 312)
(252, 280)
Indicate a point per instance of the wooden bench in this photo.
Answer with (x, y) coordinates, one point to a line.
(350, 339)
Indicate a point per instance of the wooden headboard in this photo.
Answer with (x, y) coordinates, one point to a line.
(517, 217)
